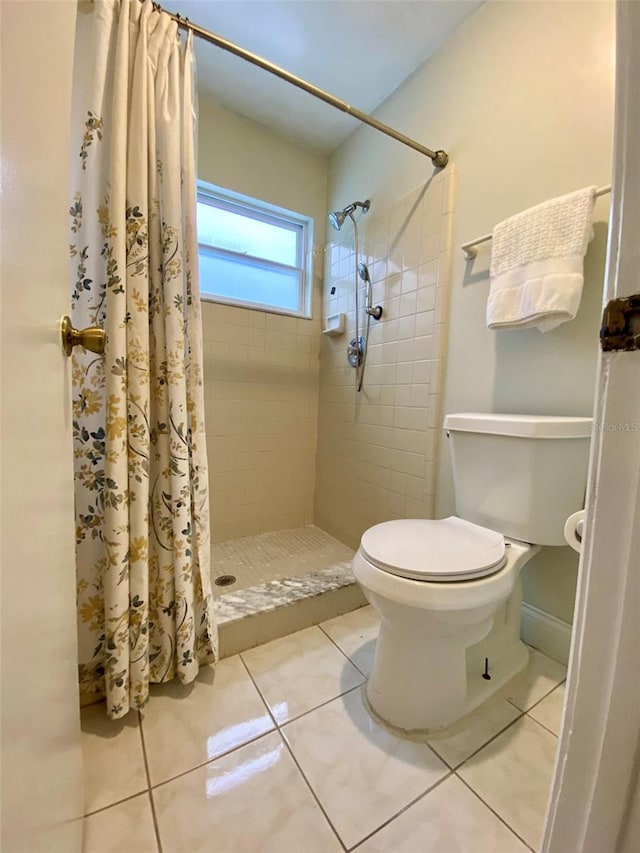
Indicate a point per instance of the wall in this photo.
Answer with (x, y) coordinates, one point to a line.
(377, 449)
(521, 95)
(261, 369)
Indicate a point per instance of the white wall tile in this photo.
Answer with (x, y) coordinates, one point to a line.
(261, 392)
(376, 449)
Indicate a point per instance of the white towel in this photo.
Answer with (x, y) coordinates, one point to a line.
(537, 268)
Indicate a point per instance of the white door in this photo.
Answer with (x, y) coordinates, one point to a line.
(41, 758)
(595, 804)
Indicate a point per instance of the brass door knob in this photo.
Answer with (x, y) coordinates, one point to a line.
(91, 338)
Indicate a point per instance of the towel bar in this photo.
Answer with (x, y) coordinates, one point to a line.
(470, 249)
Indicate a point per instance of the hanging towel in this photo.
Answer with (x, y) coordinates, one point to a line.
(537, 268)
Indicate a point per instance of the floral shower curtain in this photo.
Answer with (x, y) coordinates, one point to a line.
(145, 609)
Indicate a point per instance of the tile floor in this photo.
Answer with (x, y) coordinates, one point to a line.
(274, 752)
(253, 560)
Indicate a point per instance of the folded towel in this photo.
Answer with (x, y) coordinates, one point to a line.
(537, 269)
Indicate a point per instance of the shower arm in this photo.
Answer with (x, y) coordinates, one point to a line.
(365, 205)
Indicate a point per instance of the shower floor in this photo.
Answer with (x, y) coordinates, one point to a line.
(255, 560)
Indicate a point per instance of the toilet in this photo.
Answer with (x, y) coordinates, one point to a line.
(448, 591)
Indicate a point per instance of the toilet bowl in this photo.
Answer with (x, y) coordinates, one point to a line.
(448, 591)
(421, 678)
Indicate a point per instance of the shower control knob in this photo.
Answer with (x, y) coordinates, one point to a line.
(355, 351)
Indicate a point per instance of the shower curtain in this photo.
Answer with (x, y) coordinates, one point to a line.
(145, 608)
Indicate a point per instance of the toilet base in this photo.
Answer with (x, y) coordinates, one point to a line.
(445, 680)
(479, 690)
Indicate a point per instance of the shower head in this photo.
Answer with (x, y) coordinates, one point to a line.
(337, 217)
(363, 272)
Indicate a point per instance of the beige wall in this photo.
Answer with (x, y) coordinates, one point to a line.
(377, 449)
(521, 95)
(261, 369)
(246, 157)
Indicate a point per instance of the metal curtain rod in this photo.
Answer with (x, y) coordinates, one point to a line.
(470, 250)
(439, 158)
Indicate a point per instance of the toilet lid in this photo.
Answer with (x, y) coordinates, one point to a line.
(448, 549)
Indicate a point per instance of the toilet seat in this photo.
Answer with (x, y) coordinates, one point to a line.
(442, 550)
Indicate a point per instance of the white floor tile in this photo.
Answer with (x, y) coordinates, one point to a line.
(112, 757)
(300, 672)
(512, 774)
(455, 744)
(449, 819)
(549, 712)
(253, 800)
(187, 725)
(360, 772)
(356, 634)
(540, 677)
(125, 828)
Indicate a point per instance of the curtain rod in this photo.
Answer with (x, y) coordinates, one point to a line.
(470, 250)
(439, 158)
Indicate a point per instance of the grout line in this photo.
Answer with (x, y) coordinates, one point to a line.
(542, 725)
(351, 661)
(259, 692)
(486, 743)
(315, 707)
(538, 701)
(321, 705)
(215, 758)
(404, 809)
(139, 793)
(151, 802)
(313, 793)
(295, 761)
(156, 828)
(500, 818)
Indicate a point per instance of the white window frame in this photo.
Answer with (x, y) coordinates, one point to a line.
(264, 212)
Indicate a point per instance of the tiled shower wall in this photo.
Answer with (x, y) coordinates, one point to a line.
(261, 405)
(377, 449)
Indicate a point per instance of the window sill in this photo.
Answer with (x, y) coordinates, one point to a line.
(254, 306)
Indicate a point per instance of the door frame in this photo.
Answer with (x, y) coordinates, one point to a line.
(594, 798)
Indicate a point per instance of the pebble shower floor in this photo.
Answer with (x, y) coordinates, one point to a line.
(253, 560)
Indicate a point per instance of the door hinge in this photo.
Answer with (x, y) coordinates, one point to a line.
(620, 329)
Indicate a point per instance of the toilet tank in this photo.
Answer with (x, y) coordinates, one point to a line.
(522, 475)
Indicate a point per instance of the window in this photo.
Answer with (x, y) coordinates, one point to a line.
(252, 254)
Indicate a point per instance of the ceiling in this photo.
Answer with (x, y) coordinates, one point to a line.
(358, 50)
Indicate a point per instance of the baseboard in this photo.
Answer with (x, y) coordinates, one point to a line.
(545, 632)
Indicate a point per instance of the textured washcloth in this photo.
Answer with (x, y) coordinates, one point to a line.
(537, 269)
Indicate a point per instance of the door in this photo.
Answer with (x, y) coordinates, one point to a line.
(595, 798)
(41, 759)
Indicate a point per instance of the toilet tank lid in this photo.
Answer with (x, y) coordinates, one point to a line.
(524, 426)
